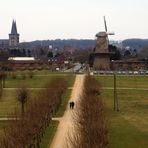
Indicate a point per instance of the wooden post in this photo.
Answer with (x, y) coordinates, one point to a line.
(115, 93)
(116, 104)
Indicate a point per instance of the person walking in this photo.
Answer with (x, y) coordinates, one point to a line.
(71, 104)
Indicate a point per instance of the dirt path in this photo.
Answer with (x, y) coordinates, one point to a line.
(66, 122)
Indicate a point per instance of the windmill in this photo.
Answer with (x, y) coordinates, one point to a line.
(101, 51)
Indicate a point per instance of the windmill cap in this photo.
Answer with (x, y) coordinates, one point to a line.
(101, 34)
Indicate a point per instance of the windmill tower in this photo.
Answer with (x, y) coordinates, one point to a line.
(101, 51)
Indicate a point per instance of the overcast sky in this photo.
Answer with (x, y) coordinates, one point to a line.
(80, 19)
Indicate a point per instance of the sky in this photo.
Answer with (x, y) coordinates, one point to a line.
(77, 19)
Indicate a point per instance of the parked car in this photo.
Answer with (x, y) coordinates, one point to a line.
(136, 72)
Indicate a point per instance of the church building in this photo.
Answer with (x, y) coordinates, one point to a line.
(13, 40)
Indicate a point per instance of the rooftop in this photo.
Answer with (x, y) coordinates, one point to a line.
(21, 58)
(101, 34)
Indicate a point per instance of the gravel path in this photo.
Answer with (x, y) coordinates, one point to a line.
(66, 124)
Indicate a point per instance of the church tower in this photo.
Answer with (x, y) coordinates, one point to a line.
(13, 36)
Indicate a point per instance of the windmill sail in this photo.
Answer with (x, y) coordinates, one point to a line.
(105, 24)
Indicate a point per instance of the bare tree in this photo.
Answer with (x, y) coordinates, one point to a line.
(22, 94)
(1, 84)
(27, 132)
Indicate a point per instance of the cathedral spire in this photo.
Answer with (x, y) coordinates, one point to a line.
(13, 36)
(14, 28)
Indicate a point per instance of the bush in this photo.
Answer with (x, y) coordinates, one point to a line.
(30, 74)
(23, 74)
(13, 75)
(31, 68)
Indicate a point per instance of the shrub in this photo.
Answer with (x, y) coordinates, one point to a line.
(13, 75)
(23, 74)
(30, 74)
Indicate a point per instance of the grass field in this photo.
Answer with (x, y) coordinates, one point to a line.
(38, 81)
(128, 128)
(9, 103)
(124, 81)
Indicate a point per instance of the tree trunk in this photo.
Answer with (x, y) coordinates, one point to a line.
(22, 110)
(3, 83)
(1, 88)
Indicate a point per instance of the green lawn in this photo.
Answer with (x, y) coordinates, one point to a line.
(128, 128)
(124, 81)
(39, 72)
(38, 81)
(3, 124)
(63, 105)
(9, 103)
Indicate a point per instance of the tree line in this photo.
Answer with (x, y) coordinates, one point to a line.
(28, 126)
(90, 124)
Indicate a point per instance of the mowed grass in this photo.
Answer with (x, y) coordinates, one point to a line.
(124, 81)
(62, 107)
(3, 124)
(9, 103)
(128, 128)
(38, 81)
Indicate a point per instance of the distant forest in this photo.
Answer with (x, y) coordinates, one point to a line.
(84, 43)
(58, 43)
(135, 43)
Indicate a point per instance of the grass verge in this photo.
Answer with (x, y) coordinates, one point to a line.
(62, 107)
(65, 99)
(49, 134)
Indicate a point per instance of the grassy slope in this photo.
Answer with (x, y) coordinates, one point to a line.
(127, 128)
